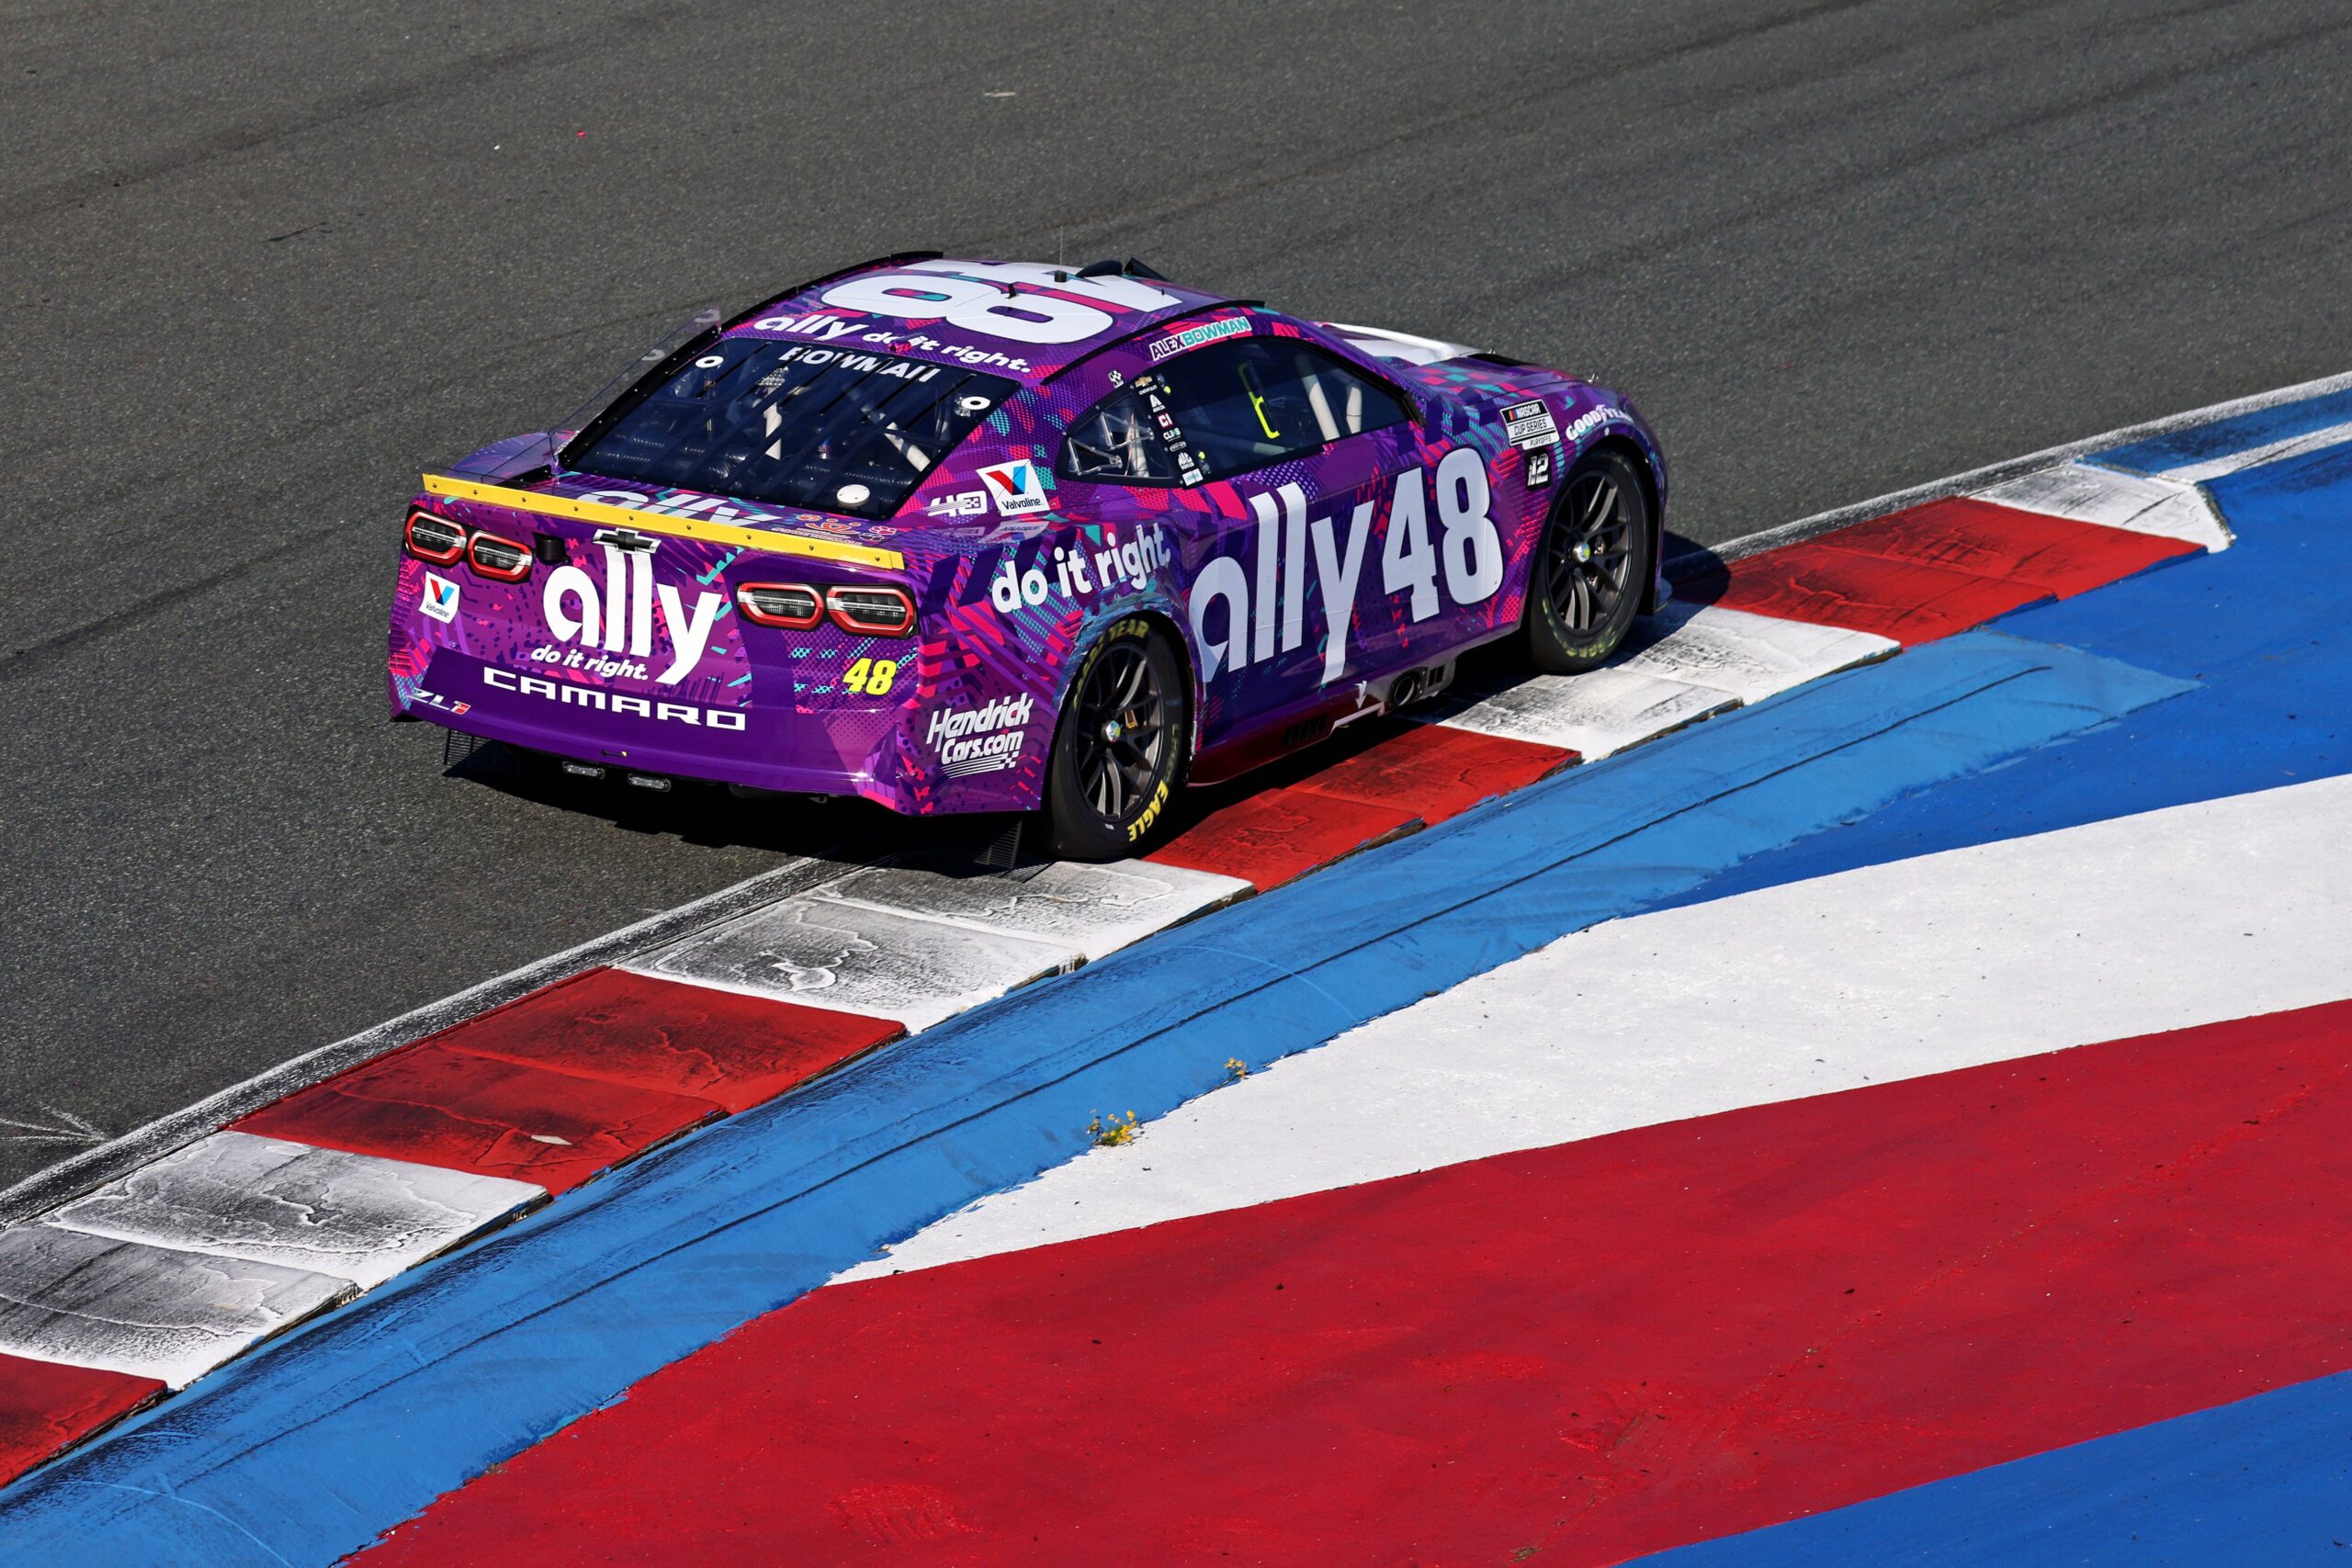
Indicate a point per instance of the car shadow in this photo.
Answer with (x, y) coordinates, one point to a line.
(1699, 575)
(711, 816)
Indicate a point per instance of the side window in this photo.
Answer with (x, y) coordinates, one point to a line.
(1225, 409)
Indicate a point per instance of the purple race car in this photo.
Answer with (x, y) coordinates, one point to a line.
(966, 536)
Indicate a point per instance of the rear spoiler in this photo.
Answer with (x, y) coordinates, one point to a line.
(450, 488)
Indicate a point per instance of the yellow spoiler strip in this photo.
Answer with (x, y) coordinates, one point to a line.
(662, 523)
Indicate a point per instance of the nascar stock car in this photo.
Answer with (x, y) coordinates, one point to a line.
(983, 537)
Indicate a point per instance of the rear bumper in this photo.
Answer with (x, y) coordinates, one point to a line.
(793, 753)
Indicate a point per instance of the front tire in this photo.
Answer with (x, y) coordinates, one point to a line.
(1119, 747)
(1592, 568)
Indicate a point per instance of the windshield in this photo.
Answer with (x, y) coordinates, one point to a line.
(797, 424)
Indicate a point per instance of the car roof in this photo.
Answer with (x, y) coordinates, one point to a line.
(1021, 319)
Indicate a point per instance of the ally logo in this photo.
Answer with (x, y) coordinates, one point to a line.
(1017, 488)
(618, 619)
(440, 600)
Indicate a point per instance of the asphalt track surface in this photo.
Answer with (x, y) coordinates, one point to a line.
(262, 267)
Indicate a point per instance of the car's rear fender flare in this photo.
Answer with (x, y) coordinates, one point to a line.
(1167, 621)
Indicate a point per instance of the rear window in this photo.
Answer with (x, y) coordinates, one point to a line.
(797, 424)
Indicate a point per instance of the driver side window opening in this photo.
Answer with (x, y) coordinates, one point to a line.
(1225, 409)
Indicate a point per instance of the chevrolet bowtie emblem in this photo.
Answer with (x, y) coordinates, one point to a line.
(627, 539)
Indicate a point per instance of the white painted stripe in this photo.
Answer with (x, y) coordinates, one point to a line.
(2256, 456)
(855, 957)
(354, 1216)
(1095, 908)
(1746, 656)
(1594, 716)
(2140, 502)
(153, 1312)
(2221, 909)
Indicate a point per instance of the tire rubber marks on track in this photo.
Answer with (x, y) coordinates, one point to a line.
(436, 1104)
(1280, 835)
(2103, 497)
(1436, 773)
(354, 1216)
(151, 1311)
(732, 1050)
(1092, 909)
(1700, 661)
(862, 958)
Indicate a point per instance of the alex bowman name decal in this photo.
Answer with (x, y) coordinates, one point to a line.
(1193, 337)
(986, 739)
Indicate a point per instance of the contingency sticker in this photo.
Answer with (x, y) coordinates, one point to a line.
(1530, 424)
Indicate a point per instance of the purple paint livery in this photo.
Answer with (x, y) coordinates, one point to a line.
(603, 617)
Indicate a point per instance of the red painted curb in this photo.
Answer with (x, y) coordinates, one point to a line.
(663, 1034)
(1817, 582)
(1282, 834)
(1436, 773)
(1604, 1349)
(2061, 556)
(46, 1408)
(438, 1105)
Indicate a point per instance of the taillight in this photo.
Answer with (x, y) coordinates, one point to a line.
(795, 606)
(872, 612)
(435, 539)
(500, 559)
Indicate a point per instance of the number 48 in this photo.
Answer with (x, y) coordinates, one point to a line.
(1470, 555)
(871, 676)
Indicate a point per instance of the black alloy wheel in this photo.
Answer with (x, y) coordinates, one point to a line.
(1593, 568)
(1119, 748)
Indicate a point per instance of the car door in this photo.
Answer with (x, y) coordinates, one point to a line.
(1294, 459)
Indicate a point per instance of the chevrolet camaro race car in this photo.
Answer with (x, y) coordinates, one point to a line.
(984, 536)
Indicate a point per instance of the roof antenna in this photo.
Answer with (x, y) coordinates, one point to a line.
(1061, 248)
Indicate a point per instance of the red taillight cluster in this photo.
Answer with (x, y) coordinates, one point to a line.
(498, 559)
(435, 539)
(442, 542)
(797, 606)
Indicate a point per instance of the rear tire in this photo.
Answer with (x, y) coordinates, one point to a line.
(1592, 568)
(1119, 747)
